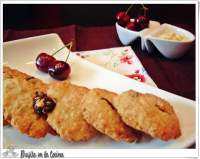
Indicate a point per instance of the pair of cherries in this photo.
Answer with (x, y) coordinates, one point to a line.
(57, 69)
(141, 22)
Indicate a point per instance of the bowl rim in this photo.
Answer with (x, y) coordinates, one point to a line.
(131, 31)
(140, 32)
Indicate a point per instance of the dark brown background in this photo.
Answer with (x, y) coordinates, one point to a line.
(45, 16)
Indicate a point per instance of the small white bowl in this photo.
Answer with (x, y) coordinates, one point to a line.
(149, 39)
(169, 48)
(127, 36)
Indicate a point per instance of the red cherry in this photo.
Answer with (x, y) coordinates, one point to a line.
(122, 18)
(142, 22)
(119, 15)
(132, 26)
(59, 70)
(43, 60)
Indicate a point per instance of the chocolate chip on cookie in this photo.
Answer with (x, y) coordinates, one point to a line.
(43, 104)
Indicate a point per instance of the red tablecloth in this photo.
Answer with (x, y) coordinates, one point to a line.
(177, 76)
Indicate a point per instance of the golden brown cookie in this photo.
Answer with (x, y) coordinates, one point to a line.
(98, 111)
(18, 92)
(67, 117)
(149, 114)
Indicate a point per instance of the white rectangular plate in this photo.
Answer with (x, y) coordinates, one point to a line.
(21, 54)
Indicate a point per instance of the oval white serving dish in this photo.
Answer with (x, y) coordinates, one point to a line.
(150, 40)
(169, 48)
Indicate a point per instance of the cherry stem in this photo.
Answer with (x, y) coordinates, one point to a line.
(145, 9)
(70, 47)
(61, 48)
(129, 8)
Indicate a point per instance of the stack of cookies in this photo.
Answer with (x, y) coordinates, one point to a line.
(80, 113)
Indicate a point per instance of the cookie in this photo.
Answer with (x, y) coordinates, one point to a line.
(98, 111)
(5, 122)
(18, 93)
(66, 118)
(149, 114)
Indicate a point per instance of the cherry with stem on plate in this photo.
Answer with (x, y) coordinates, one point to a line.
(60, 70)
(43, 60)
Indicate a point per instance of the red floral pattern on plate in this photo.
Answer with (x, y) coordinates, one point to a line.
(126, 59)
(121, 60)
(137, 76)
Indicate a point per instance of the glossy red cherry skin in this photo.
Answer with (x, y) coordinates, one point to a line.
(59, 70)
(132, 26)
(122, 18)
(142, 22)
(43, 61)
